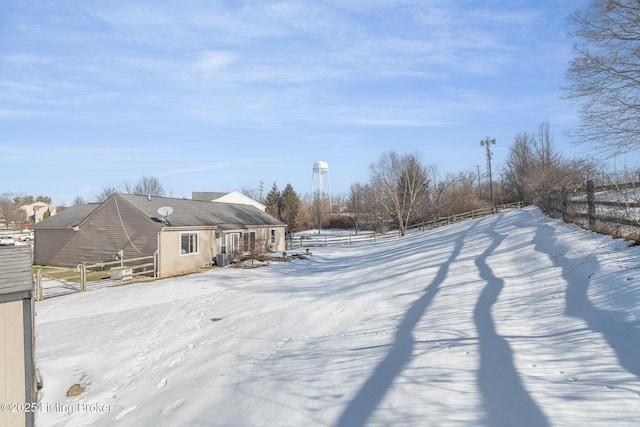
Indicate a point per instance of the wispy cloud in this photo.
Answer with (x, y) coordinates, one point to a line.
(114, 80)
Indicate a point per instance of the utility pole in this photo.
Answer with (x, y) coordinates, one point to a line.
(488, 142)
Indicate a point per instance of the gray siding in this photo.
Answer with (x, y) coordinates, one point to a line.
(114, 226)
(15, 269)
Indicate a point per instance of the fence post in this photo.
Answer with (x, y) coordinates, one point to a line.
(39, 285)
(565, 201)
(155, 264)
(83, 277)
(591, 206)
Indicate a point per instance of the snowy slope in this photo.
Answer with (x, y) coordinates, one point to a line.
(510, 320)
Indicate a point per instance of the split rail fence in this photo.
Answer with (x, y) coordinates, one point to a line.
(317, 240)
(52, 282)
(607, 208)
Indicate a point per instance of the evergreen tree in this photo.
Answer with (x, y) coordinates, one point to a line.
(273, 202)
(290, 207)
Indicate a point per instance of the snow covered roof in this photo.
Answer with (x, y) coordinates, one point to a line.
(233, 197)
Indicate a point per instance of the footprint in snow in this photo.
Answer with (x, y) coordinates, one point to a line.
(124, 413)
(177, 360)
(162, 383)
(173, 406)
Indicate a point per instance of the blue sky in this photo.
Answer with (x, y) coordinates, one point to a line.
(220, 95)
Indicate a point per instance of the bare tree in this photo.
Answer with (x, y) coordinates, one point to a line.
(149, 186)
(460, 195)
(106, 192)
(318, 209)
(518, 167)
(355, 203)
(605, 74)
(9, 212)
(250, 192)
(438, 187)
(402, 181)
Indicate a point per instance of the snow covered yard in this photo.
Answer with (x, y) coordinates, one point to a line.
(509, 320)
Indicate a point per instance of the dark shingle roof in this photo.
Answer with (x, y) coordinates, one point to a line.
(70, 217)
(207, 195)
(186, 212)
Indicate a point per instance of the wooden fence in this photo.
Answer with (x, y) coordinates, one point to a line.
(614, 208)
(348, 238)
(52, 282)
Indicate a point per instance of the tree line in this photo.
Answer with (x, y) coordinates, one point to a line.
(402, 190)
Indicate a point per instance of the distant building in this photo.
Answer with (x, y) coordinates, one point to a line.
(38, 211)
(233, 197)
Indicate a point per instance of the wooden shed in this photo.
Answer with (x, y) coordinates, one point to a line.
(17, 339)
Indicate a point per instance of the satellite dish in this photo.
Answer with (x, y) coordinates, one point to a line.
(165, 211)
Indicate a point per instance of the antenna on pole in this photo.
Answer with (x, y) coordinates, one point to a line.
(488, 142)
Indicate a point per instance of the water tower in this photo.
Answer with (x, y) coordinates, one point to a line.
(321, 188)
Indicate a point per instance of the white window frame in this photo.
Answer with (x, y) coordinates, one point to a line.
(235, 243)
(273, 236)
(229, 243)
(193, 239)
(223, 243)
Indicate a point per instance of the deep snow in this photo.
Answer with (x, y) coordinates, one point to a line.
(514, 319)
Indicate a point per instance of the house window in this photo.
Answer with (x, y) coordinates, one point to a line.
(223, 243)
(273, 236)
(230, 243)
(234, 245)
(188, 243)
(249, 241)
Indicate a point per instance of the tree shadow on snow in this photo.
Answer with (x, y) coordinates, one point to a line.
(623, 337)
(505, 399)
(374, 389)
